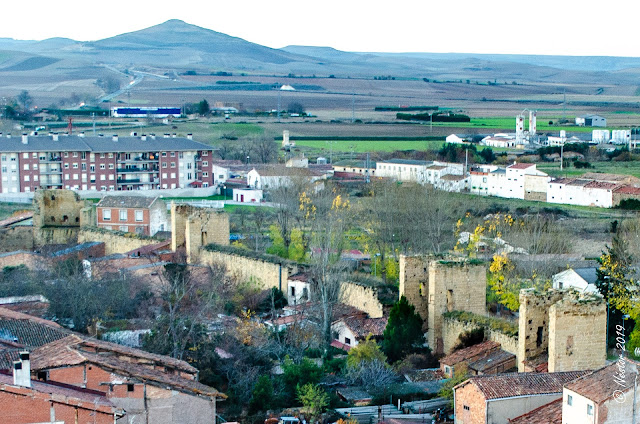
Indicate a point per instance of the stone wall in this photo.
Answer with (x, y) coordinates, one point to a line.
(55, 235)
(194, 227)
(453, 285)
(577, 333)
(361, 297)
(452, 329)
(115, 242)
(267, 274)
(15, 238)
(435, 285)
(533, 323)
(56, 217)
(414, 283)
(29, 259)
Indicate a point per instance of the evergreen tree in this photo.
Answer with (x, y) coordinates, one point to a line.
(403, 334)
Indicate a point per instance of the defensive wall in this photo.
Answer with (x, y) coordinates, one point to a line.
(194, 228)
(362, 297)
(501, 331)
(115, 241)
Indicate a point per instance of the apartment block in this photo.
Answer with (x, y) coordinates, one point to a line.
(78, 162)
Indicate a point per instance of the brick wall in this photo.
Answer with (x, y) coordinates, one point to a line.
(469, 407)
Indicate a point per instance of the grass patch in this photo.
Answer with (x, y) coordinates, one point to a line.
(609, 167)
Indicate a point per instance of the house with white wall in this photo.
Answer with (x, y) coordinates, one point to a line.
(581, 279)
(273, 177)
(581, 191)
(403, 170)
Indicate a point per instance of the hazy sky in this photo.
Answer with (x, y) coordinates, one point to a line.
(565, 27)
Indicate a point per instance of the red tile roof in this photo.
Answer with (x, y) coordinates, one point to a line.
(521, 384)
(628, 190)
(16, 218)
(470, 352)
(63, 393)
(551, 413)
(602, 185)
(521, 165)
(363, 327)
(599, 385)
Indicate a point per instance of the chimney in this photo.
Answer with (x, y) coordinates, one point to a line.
(54, 136)
(190, 136)
(114, 137)
(143, 137)
(153, 136)
(81, 134)
(25, 138)
(22, 371)
(166, 135)
(174, 135)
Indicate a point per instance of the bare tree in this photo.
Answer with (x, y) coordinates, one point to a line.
(266, 149)
(25, 99)
(226, 149)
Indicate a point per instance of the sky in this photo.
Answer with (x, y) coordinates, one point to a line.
(558, 27)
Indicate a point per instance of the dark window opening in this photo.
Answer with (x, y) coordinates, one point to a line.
(293, 291)
(130, 387)
(42, 375)
(53, 219)
(53, 197)
(347, 340)
(539, 337)
(65, 218)
(77, 219)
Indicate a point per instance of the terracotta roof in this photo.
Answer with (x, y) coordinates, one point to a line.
(491, 360)
(602, 185)
(579, 182)
(521, 384)
(16, 218)
(363, 327)
(551, 413)
(339, 345)
(71, 349)
(27, 330)
(470, 352)
(599, 385)
(126, 202)
(626, 189)
(63, 393)
(562, 181)
(521, 165)
(74, 350)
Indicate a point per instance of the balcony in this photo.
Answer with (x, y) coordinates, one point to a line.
(131, 181)
(51, 171)
(136, 169)
(51, 159)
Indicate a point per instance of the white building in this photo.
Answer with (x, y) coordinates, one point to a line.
(581, 279)
(247, 195)
(606, 396)
(452, 138)
(591, 121)
(452, 183)
(620, 136)
(600, 136)
(583, 192)
(403, 170)
(479, 179)
(499, 140)
(272, 177)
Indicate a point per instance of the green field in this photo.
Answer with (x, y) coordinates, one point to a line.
(625, 168)
(363, 146)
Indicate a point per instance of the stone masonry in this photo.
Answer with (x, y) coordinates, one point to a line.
(196, 227)
(438, 285)
(563, 327)
(577, 333)
(56, 217)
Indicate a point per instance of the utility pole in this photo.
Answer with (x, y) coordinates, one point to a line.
(93, 117)
(353, 108)
(279, 93)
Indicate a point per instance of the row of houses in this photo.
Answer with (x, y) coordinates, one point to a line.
(51, 374)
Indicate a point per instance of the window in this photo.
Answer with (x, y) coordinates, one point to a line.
(589, 409)
(173, 164)
(103, 177)
(189, 176)
(130, 387)
(205, 163)
(164, 164)
(75, 166)
(110, 155)
(164, 175)
(102, 166)
(173, 154)
(173, 175)
(205, 153)
(110, 166)
(124, 228)
(4, 158)
(25, 155)
(66, 154)
(84, 166)
(466, 408)
(111, 177)
(347, 340)
(26, 166)
(106, 214)
(102, 155)
(139, 215)
(66, 166)
(26, 178)
(123, 214)
(75, 176)
(180, 155)
(92, 157)
(189, 165)
(35, 166)
(35, 178)
(92, 168)
(569, 400)
(539, 337)
(164, 154)
(205, 174)
(293, 291)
